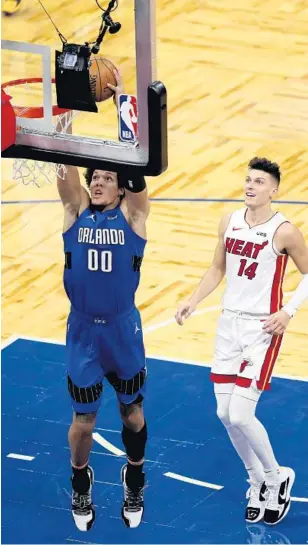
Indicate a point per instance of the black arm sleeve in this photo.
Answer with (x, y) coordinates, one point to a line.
(135, 184)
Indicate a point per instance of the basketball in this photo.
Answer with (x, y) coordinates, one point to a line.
(101, 73)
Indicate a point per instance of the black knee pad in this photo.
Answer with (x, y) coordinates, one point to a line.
(84, 395)
(130, 386)
(135, 442)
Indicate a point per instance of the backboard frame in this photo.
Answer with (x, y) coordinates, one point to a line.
(37, 139)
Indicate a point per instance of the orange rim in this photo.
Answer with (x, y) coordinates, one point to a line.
(32, 112)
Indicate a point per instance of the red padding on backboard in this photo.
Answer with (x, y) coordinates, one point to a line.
(8, 122)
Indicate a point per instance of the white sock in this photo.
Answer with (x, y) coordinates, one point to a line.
(251, 462)
(242, 417)
(238, 440)
(273, 475)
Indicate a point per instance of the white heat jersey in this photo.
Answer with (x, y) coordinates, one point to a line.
(254, 267)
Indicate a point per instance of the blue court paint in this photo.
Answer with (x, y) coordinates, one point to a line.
(185, 437)
(159, 199)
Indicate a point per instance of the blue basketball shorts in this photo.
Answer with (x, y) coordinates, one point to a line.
(110, 347)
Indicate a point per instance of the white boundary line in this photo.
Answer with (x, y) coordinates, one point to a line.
(15, 338)
(9, 341)
(192, 481)
(109, 446)
(21, 457)
(210, 485)
(34, 339)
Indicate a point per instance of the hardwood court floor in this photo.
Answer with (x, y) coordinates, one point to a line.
(237, 85)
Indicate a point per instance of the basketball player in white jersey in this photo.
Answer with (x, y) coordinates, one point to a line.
(253, 248)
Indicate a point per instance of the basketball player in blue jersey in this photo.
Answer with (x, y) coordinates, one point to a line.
(104, 239)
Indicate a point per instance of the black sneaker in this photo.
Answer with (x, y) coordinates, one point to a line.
(132, 509)
(257, 494)
(82, 506)
(279, 497)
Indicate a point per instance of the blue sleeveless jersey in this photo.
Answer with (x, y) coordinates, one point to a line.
(103, 256)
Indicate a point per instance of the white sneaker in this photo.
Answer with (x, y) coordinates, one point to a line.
(132, 509)
(82, 506)
(257, 494)
(279, 497)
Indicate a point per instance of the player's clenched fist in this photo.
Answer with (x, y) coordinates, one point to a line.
(184, 311)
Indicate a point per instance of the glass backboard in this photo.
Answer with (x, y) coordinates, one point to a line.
(94, 141)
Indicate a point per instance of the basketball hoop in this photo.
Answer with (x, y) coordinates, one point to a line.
(30, 171)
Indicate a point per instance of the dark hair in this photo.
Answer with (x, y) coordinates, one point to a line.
(89, 174)
(266, 165)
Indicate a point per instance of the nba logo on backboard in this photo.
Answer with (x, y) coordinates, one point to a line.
(128, 118)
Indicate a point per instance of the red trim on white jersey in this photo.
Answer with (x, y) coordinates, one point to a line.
(246, 383)
(222, 379)
(234, 379)
(276, 294)
(269, 361)
(243, 381)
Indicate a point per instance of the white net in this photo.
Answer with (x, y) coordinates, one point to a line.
(32, 172)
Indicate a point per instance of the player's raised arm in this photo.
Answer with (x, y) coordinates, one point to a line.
(136, 193)
(211, 279)
(71, 192)
(137, 199)
(74, 197)
(69, 188)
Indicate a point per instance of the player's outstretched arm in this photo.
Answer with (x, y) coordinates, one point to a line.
(69, 188)
(74, 197)
(292, 241)
(136, 196)
(136, 193)
(211, 279)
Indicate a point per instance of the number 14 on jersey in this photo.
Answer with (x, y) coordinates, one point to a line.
(249, 271)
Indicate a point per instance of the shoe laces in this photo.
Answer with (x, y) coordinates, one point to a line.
(81, 502)
(133, 498)
(273, 490)
(253, 493)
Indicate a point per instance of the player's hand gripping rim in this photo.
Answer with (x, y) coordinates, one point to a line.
(277, 323)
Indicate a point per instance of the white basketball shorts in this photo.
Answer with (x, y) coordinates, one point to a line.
(244, 353)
